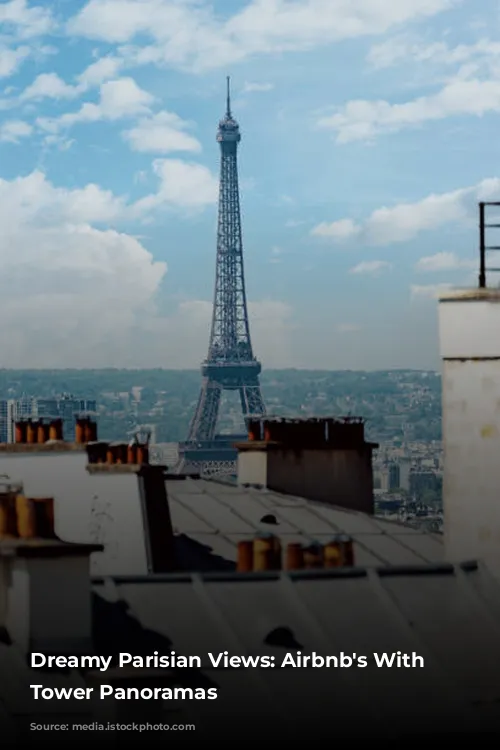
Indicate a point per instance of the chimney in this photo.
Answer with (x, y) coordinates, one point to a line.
(45, 594)
(469, 332)
(326, 460)
(85, 430)
(157, 522)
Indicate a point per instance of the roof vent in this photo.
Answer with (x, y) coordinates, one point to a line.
(270, 518)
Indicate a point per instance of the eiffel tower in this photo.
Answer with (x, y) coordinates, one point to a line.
(230, 364)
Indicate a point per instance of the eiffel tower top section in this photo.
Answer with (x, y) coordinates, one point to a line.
(228, 133)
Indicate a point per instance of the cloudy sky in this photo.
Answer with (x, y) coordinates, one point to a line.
(369, 131)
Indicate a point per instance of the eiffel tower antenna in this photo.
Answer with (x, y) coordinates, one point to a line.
(228, 98)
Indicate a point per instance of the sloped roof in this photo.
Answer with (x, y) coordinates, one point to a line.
(219, 515)
(209, 517)
(448, 615)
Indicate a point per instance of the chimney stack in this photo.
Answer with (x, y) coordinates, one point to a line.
(38, 431)
(157, 523)
(85, 430)
(326, 460)
(264, 553)
(469, 330)
(45, 594)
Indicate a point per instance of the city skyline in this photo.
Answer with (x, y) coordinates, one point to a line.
(366, 144)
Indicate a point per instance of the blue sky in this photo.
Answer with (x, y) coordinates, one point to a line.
(369, 133)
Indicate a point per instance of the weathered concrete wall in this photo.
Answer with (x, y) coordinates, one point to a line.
(470, 350)
(339, 477)
(101, 508)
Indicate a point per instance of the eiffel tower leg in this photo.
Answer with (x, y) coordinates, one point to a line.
(252, 403)
(204, 421)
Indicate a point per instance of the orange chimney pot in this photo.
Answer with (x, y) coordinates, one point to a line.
(132, 453)
(91, 431)
(20, 432)
(42, 432)
(245, 556)
(56, 429)
(31, 432)
(313, 556)
(266, 553)
(8, 518)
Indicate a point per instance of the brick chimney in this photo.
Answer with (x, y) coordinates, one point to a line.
(327, 460)
(469, 331)
(45, 594)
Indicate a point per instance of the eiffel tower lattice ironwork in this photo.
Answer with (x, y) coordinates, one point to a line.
(230, 364)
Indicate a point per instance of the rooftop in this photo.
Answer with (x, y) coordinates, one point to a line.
(102, 505)
(327, 612)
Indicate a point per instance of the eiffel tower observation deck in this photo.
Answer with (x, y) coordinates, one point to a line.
(230, 364)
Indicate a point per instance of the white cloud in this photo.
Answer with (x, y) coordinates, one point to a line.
(249, 88)
(443, 262)
(182, 184)
(403, 48)
(372, 267)
(104, 69)
(25, 19)
(12, 130)
(33, 201)
(87, 288)
(363, 120)
(11, 59)
(405, 221)
(117, 99)
(348, 327)
(163, 132)
(49, 86)
(428, 291)
(337, 230)
(191, 35)
(276, 254)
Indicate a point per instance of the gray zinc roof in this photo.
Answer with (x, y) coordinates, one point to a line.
(448, 615)
(211, 517)
(219, 515)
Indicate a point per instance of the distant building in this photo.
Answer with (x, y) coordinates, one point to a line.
(7, 419)
(389, 477)
(423, 481)
(404, 474)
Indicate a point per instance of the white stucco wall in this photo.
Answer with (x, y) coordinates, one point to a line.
(100, 508)
(469, 327)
